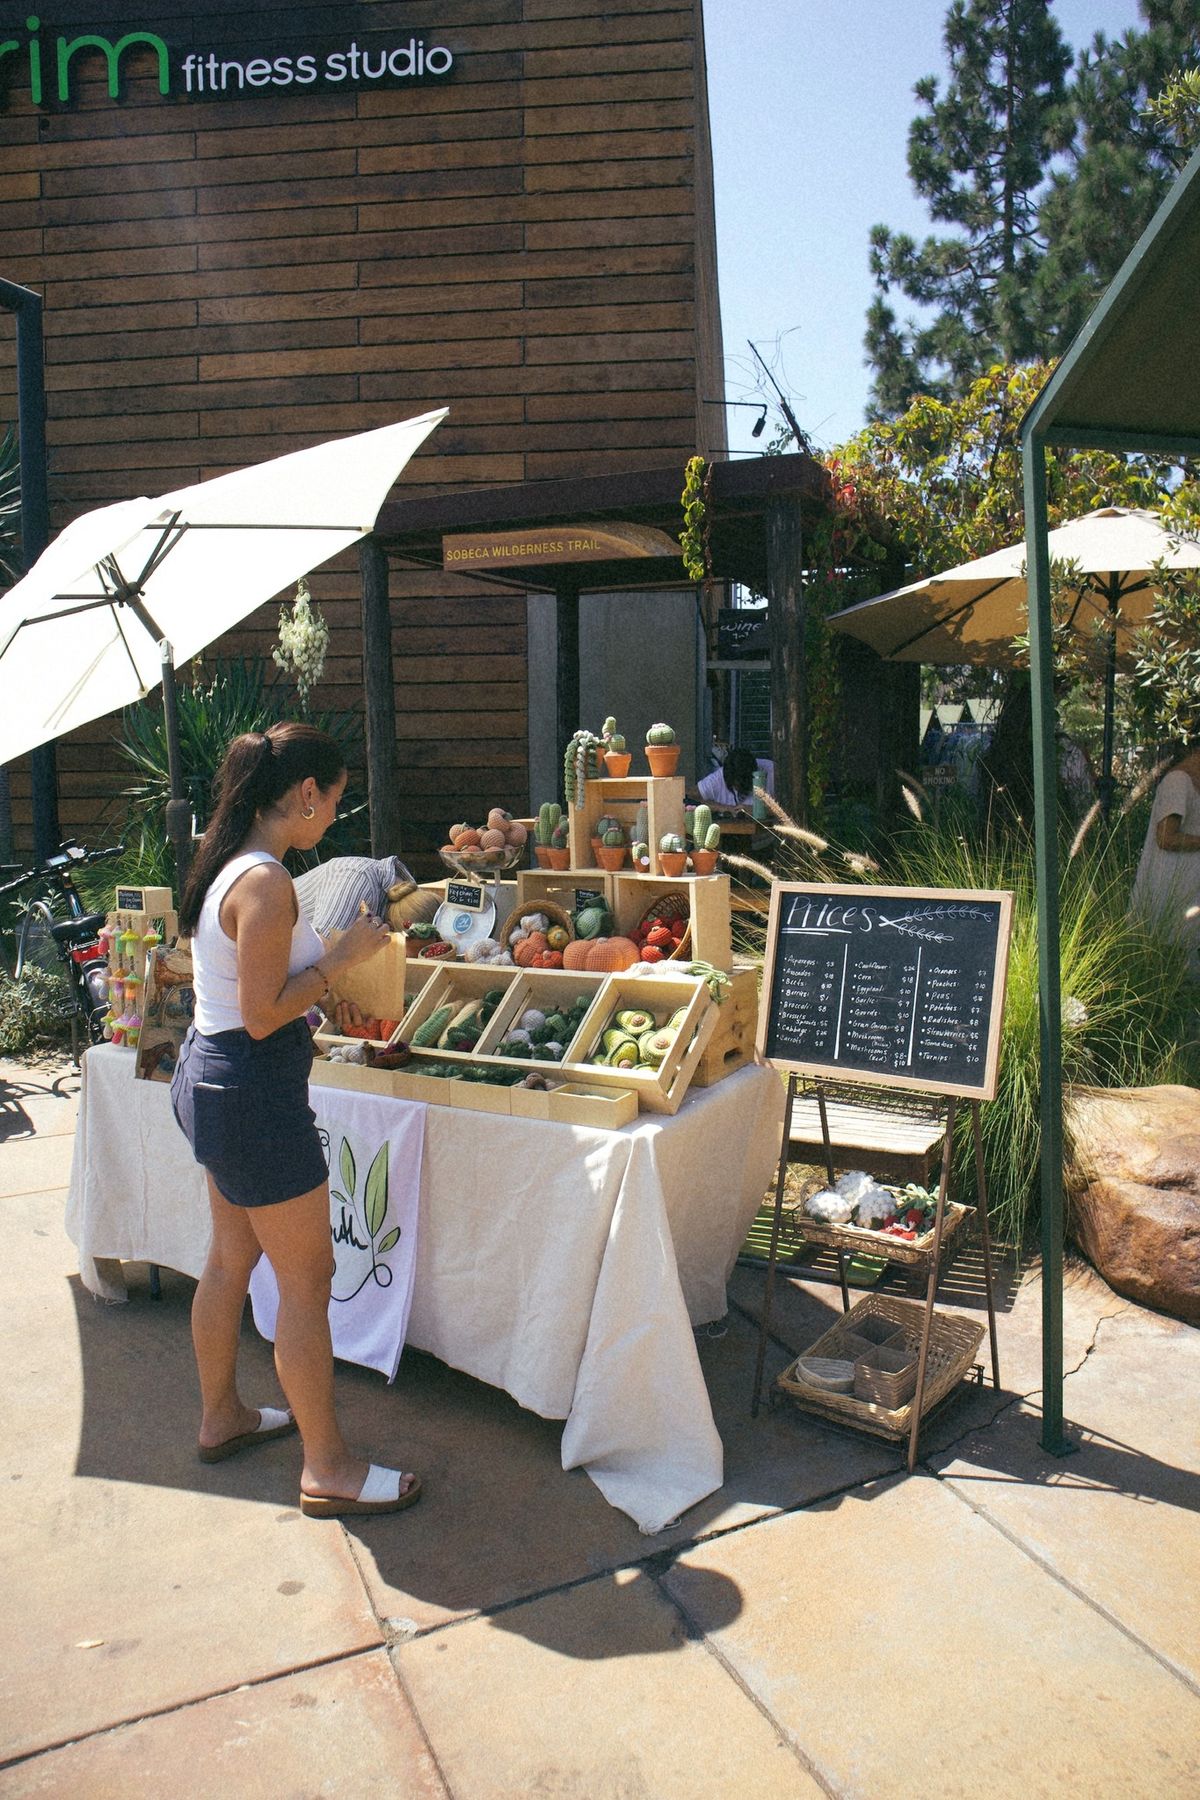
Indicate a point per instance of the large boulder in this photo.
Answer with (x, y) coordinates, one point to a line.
(1133, 1185)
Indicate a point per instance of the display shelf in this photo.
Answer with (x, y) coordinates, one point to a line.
(568, 888)
(551, 990)
(708, 903)
(663, 799)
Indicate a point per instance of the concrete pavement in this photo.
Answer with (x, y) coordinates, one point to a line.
(1001, 1623)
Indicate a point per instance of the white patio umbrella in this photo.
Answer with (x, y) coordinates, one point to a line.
(126, 591)
(972, 613)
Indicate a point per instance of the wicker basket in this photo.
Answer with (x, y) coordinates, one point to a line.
(886, 1377)
(673, 906)
(557, 915)
(953, 1342)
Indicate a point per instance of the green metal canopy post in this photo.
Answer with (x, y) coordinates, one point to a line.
(1045, 783)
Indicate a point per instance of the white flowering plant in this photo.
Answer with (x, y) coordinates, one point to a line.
(303, 642)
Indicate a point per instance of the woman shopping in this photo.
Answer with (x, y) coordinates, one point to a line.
(1167, 886)
(240, 1094)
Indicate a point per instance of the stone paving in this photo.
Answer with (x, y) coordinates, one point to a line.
(1001, 1623)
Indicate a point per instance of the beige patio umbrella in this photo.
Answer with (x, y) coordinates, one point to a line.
(972, 613)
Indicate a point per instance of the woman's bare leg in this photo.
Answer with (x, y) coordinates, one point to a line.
(217, 1319)
(295, 1237)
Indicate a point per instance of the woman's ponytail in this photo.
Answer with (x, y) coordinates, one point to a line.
(259, 768)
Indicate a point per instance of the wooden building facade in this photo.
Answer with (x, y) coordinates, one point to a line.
(238, 260)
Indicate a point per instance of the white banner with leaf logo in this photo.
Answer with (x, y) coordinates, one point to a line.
(373, 1146)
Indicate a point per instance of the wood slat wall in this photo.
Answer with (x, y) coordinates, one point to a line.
(530, 242)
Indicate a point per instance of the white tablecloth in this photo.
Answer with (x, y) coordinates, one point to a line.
(562, 1263)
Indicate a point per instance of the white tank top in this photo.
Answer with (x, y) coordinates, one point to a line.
(214, 953)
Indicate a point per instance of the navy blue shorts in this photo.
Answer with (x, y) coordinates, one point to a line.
(242, 1104)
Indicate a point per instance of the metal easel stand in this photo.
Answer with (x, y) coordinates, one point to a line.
(934, 1253)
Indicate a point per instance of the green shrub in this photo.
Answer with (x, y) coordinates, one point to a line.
(34, 1010)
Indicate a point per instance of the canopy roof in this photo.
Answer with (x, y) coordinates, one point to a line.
(1131, 379)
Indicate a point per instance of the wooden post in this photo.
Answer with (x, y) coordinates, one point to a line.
(567, 660)
(789, 677)
(379, 699)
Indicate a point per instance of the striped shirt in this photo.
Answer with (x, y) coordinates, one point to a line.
(330, 895)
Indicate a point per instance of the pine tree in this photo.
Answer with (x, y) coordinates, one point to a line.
(978, 155)
(1123, 152)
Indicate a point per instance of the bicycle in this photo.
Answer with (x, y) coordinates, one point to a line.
(49, 942)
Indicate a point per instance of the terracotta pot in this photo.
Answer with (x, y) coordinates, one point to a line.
(542, 852)
(617, 763)
(595, 842)
(557, 859)
(662, 758)
(703, 862)
(613, 857)
(672, 862)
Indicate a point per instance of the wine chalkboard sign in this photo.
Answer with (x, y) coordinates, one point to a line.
(899, 987)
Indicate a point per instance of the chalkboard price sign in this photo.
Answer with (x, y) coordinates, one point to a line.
(900, 987)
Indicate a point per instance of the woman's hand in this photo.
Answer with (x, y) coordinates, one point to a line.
(365, 938)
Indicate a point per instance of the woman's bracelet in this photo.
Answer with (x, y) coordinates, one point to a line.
(325, 981)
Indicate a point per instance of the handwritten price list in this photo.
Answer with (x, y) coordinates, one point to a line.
(885, 987)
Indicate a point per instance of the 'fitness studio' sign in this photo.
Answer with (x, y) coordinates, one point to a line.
(47, 63)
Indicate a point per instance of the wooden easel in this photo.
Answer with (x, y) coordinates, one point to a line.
(830, 1235)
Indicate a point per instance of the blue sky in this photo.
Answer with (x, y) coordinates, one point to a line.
(811, 103)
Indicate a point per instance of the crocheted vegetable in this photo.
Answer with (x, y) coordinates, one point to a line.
(426, 1035)
(611, 955)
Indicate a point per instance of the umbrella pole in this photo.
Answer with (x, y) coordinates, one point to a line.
(179, 811)
(1106, 784)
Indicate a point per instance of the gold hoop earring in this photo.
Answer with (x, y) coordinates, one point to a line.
(308, 812)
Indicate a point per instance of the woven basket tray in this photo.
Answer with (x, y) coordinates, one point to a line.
(673, 906)
(557, 915)
(953, 1342)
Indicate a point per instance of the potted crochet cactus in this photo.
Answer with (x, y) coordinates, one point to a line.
(616, 757)
(706, 841)
(613, 847)
(662, 752)
(581, 763)
(559, 854)
(639, 849)
(548, 819)
(672, 853)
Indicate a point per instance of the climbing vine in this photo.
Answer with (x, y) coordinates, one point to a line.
(694, 538)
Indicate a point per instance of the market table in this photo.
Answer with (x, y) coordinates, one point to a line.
(563, 1263)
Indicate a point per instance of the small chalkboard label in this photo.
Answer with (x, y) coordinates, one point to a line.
(465, 894)
(588, 897)
(900, 987)
(129, 899)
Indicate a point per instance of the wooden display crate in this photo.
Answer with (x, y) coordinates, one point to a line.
(661, 1089)
(708, 900)
(576, 1103)
(562, 887)
(396, 1083)
(731, 1045)
(547, 989)
(663, 796)
(455, 984)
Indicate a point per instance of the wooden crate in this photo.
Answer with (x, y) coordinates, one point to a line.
(576, 1103)
(661, 1089)
(562, 887)
(455, 984)
(708, 901)
(548, 989)
(663, 795)
(398, 1084)
(731, 1045)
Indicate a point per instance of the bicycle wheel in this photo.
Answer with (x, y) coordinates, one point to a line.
(36, 948)
(94, 981)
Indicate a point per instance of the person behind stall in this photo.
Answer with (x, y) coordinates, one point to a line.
(332, 895)
(733, 783)
(1166, 888)
(240, 1094)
